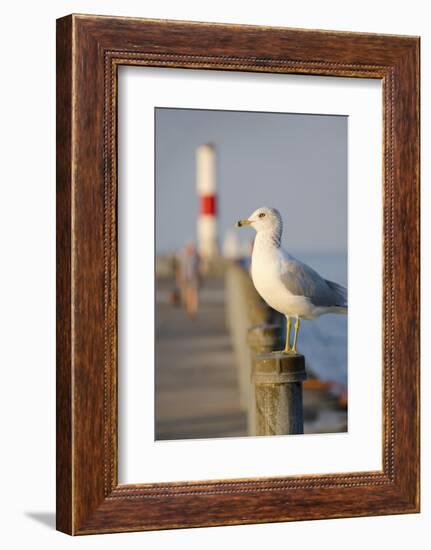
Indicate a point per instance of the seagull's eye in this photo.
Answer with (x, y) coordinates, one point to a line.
(262, 215)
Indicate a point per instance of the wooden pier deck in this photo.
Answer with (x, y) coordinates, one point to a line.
(197, 393)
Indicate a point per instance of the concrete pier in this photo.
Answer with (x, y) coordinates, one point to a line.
(197, 390)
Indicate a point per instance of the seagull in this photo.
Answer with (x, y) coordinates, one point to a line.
(286, 284)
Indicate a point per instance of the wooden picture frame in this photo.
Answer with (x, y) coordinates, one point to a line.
(89, 51)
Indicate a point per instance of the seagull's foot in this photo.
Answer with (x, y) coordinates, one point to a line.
(289, 351)
(287, 348)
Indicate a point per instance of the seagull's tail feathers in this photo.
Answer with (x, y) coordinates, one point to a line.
(340, 295)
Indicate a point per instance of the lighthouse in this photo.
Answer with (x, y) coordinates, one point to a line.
(207, 217)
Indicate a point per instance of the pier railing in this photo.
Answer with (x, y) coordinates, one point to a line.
(270, 382)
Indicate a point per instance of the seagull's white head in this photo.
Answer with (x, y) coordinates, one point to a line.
(264, 219)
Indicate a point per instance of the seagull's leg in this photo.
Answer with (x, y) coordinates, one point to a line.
(295, 337)
(289, 324)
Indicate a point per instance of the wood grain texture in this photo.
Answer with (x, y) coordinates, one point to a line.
(64, 495)
(90, 49)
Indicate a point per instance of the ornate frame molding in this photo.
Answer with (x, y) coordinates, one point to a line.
(90, 49)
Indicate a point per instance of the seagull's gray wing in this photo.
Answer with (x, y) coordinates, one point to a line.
(339, 292)
(301, 280)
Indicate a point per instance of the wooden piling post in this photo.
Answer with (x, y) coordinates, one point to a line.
(262, 338)
(278, 378)
(244, 308)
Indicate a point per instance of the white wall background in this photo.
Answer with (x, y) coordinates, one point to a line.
(27, 217)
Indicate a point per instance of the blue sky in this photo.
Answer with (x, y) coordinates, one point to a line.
(294, 162)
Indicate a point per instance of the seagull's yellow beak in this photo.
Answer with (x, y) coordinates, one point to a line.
(240, 223)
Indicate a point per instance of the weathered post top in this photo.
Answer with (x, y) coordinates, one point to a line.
(277, 379)
(279, 367)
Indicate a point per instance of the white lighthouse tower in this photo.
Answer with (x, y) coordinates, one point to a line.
(206, 189)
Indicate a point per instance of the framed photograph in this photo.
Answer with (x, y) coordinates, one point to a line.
(237, 274)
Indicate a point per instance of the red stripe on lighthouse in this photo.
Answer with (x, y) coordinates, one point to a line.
(208, 205)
